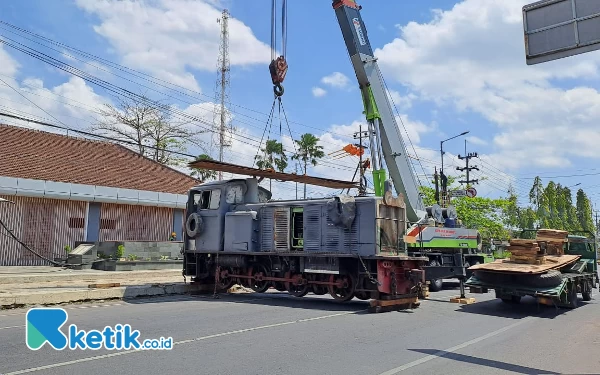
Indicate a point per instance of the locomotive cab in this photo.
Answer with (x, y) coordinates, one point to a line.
(208, 205)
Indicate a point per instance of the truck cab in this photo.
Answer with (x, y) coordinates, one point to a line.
(586, 247)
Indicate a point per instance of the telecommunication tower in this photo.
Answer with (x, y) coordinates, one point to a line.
(222, 87)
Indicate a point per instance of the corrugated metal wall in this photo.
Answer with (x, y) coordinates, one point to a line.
(135, 223)
(45, 225)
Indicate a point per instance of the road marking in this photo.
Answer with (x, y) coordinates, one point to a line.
(12, 327)
(443, 353)
(88, 359)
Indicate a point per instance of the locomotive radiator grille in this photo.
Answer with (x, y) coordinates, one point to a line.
(282, 229)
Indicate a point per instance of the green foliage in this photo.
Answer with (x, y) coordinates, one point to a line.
(551, 206)
(132, 257)
(584, 211)
(120, 251)
(273, 156)
(67, 249)
(203, 174)
(308, 150)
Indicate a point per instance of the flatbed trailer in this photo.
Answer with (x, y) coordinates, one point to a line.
(575, 273)
(565, 294)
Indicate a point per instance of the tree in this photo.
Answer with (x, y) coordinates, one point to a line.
(584, 212)
(155, 134)
(273, 157)
(308, 151)
(203, 174)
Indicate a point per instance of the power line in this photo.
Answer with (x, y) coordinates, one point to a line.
(124, 92)
(140, 75)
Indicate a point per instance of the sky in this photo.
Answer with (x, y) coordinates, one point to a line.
(451, 66)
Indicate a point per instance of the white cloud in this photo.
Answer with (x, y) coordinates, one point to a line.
(336, 79)
(167, 37)
(476, 140)
(318, 92)
(472, 57)
(413, 128)
(401, 102)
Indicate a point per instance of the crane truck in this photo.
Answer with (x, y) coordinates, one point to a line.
(370, 247)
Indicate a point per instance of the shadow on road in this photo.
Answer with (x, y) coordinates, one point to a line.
(277, 299)
(527, 307)
(484, 362)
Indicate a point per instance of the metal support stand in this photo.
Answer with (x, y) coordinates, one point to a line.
(462, 288)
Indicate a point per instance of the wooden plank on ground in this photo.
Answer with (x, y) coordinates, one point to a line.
(501, 265)
(104, 286)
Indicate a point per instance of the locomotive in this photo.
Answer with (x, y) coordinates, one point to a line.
(345, 246)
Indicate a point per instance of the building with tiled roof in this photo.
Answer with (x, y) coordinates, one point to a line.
(69, 189)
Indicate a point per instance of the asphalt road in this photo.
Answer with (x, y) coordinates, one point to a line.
(277, 334)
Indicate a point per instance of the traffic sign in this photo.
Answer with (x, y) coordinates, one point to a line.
(471, 192)
(555, 29)
(457, 193)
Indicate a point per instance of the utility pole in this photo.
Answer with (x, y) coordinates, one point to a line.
(222, 86)
(362, 190)
(467, 158)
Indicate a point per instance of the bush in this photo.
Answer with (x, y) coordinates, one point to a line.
(120, 251)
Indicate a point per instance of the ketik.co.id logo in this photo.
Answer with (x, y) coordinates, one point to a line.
(44, 325)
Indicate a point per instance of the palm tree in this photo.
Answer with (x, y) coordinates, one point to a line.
(203, 174)
(273, 157)
(308, 150)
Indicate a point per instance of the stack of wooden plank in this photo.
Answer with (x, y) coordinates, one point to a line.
(554, 240)
(525, 251)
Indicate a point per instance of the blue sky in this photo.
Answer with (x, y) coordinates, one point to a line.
(451, 66)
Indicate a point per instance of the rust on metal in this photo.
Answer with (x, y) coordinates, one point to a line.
(255, 172)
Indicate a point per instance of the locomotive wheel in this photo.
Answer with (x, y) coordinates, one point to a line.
(346, 292)
(294, 289)
(225, 282)
(259, 286)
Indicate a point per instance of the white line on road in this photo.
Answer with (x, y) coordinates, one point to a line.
(88, 359)
(443, 353)
(21, 326)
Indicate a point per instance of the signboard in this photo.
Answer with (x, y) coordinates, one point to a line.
(470, 192)
(457, 193)
(555, 29)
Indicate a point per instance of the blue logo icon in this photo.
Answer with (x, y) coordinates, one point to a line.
(44, 325)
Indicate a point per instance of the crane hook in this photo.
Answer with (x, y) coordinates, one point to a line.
(278, 89)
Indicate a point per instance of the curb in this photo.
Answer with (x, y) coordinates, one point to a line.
(125, 292)
(68, 276)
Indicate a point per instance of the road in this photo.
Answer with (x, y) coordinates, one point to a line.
(276, 334)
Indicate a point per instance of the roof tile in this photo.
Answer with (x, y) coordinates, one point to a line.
(39, 155)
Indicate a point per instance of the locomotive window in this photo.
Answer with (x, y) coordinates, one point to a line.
(207, 200)
(215, 199)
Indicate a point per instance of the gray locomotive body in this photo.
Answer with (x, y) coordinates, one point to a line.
(345, 246)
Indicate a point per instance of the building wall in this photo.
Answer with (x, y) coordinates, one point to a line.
(47, 225)
(134, 223)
